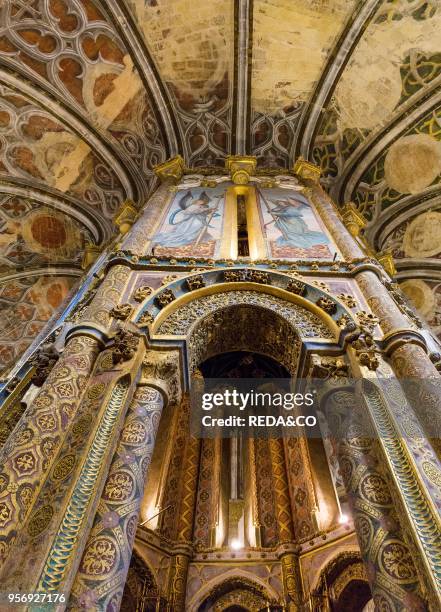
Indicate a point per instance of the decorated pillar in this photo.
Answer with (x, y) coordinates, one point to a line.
(184, 512)
(102, 572)
(55, 533)
(29, 453)
(404, 345)
(287, 549)
(384, 547)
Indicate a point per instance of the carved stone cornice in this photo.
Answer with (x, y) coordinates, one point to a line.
(171, 169)
(125, 216)
(394, 340)
(306, 170)
(241, 167)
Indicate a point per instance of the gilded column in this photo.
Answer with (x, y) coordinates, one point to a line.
(287, 549)
(394, 579)
(206, 519)
(29, 453)
(103, 569)
(185, 518)
(404, 345)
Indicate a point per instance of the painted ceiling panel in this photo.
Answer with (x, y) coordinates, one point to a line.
(292, 41)
(33, 235)
(26, 304)
(93, 94)
(192, 44)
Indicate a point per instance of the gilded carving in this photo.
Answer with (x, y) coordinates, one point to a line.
(307, 323)
(168, 279)
(349, 300)
(125, 345)
(327, 304)
(367, 320)
(43, 362)
(145, 319)
(142, 292)
(297, 287)
(165, 297)
(122, 311)
(366, 351)
(195, 282)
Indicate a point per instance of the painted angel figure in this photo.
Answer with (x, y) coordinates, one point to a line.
(190, 221)
(288, 219)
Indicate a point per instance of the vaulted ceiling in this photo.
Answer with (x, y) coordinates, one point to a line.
(94, 93)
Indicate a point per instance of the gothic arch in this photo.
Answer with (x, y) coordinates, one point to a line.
(339, 574)
(234, 579)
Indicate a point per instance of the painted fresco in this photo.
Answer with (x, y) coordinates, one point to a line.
(192, 226)
(26, 304)
(291, 227)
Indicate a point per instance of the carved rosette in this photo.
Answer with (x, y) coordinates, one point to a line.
(125, 345)
(327, 304)
(122, 311)
(142, 293)
(195, 282)
(165, 297)
(296, 287)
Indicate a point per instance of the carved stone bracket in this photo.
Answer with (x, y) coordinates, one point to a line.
(241, 168)
(122, 311)
(126, 216)
(124, 346)
(142, 292)
(307, 170)
(172, 168)
(353, 219)
(165, 297)
(327, 304)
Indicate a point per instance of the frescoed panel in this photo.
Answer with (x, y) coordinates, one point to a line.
(291, 228)
(26, 304)
(193, 224)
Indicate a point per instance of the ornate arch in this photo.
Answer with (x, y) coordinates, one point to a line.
(289, 294)
(234, 581)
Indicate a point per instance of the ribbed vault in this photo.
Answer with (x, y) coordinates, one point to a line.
(94, 93)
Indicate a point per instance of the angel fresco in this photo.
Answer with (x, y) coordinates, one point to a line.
(190, 222)
(287, 216)
(290, 228)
